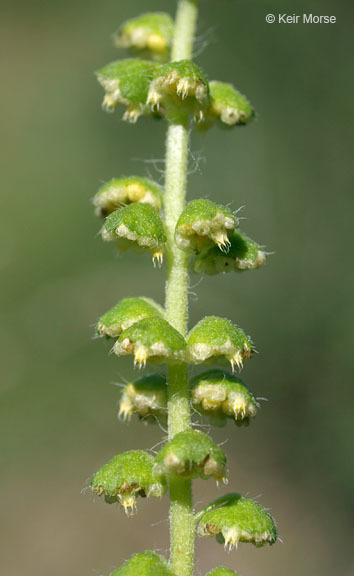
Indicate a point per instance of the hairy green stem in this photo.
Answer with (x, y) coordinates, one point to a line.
(179, 416)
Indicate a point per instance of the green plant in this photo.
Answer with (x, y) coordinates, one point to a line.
(140, 215)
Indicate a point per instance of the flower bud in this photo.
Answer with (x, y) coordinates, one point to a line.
(204, 223)
(127, 476)
(215, 337)
(144, 564)
(153, 340)
(125, 314)
(223, 395)
(243, 254)
(228, 106)
(136, 226)
(151, 32)
(122, 191)
(191, 454)
(222, 571)
(179, 86)
(233, 519)
(147, 397)
(127, 82)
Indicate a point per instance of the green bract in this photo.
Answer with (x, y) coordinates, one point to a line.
(138, 226)
(153, 340)
(222, 571)
(127, 476)
(236, 519)
(144, 564)
(125, 314)
(215, 337)
(227, 105)
(122, 191)
(243, 254)
(223, 395)
(204, 223)
(179, 87)
(191, 454)
(151, 32)
(147, 397)
(127, 82)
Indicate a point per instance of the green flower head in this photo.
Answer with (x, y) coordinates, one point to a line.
(233, 519)
(151, 32)
(243, 254)
(144, 564)
(147, 397)
(223, 395)
(127, 476)
(127, 82)
(122, 191)
(136, 226)
(222, 571)
(125, 314)
(191, 454)
(151, 340)
(203, 224)
(179, 86)
(215, 337)
(228, 106)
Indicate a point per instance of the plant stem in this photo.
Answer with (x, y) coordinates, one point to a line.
(179, 415)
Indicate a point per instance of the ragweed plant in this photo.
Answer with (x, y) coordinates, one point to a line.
(203, 236)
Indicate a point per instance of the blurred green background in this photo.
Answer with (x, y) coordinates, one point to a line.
(291, 169)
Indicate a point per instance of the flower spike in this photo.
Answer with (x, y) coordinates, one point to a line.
(127, 476)
(215, 337)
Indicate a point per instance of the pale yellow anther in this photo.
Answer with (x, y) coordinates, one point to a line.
(157, 258)
(135, 191)
(128, 501)
(140, 356)
(157, 43)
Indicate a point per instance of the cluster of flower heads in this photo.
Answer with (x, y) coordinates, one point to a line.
(140, 329)
(208, 231)
(154, 87)
(148, 88)
(190, 454)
